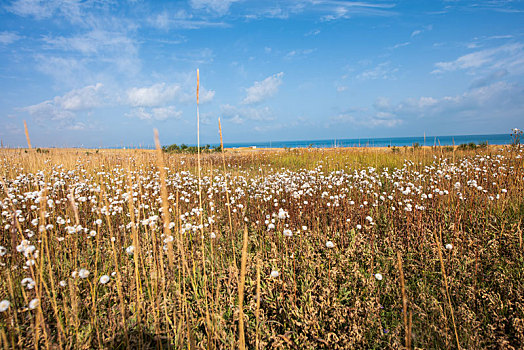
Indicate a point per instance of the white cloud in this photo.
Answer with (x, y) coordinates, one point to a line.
(239, 115)
(63, 112)
(73, 11)
(509, 57)
(263, 89)
(65, 107)
(93, 55)
(95, 42)
(401, 45)
(497, 100)
(381, 71)
(35, 8)
(415, 33)
(298, 53)
(313, 32)
(10, 128)
(206, 95)
(220, 7)
(345, 9)
(181, 20)
(7, 38)
(381, 119)
(158, 113)
(153, 96)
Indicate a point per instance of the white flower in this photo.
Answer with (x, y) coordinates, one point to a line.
(282, 214)
(369, 218)
(3, 250)
(98, 221)
(213, 235)
(271, 226)
(304, 228)
(28, 283)
(4, 305)
(378, 276)
(359, 227)
(104, 279)
(33, 304)
(288, 233)
(274, 274)
(130, 250)
(449, 246)
(92, 233)
(83, 273)
(62, 283)
(330, 244)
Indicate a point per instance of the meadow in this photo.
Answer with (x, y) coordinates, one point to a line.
(299, 249)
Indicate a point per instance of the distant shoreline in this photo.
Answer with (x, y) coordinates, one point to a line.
(449, 140)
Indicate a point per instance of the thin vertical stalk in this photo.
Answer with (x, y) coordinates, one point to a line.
(407, 329)
(444, 276)
(241, 335)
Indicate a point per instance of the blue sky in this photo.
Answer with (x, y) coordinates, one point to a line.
(106, 73)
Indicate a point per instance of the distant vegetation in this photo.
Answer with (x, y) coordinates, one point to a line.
(174, 148)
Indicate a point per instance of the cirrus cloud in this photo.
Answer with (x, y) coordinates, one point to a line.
(263, 89)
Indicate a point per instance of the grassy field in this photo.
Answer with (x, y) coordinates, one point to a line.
(309, 249)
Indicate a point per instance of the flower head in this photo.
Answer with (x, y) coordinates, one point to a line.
(104, 279)
(83, 273)
(330, 244)
(4, 305)
(33, 304)
(378, 276)
(274, 274)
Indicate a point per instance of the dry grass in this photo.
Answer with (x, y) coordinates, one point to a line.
(324, 219)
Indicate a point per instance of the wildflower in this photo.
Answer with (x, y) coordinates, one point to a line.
(274, 274)
(130, 250)
(3, 250)
(330, 244)
(92, 233)
(359, 227)
(98, 222)
(271, 226)
(33, 304)
(282, 214)
(83, 273)
(62, 283)
(304, 228)
(28, 283)
(4, 305)
(378, 276)
(213, 235)
(104, 279)
(288, 233)
(449, 246)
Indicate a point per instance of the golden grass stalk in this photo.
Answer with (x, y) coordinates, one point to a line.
(257, 312)
(241, 335)
(208, 319)
(444, 276)
(163, 194)
(27, 136)
(227, 194)
(407, 328)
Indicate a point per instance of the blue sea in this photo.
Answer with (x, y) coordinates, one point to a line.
(493, 139)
